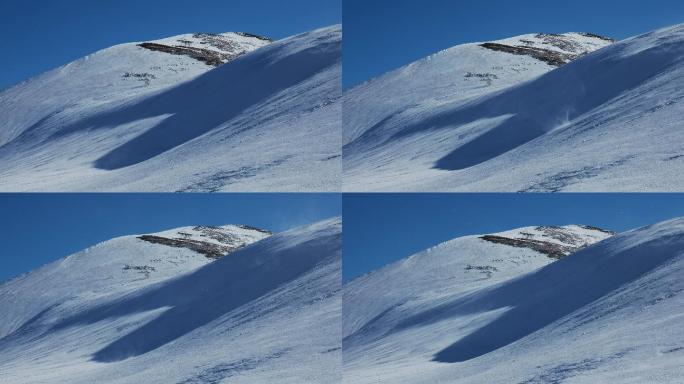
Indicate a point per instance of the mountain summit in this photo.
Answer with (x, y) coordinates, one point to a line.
(460, 73)
(209, 48)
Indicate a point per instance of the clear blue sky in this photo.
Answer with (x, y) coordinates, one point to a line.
(381, 35)
(39, 228)
(381, 228)
(39, 35)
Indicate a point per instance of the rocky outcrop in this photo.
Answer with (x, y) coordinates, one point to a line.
(219, 49)
(560, 243)
(570, 49)
(224, 242)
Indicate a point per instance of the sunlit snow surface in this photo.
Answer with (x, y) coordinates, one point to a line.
(475, 119)
(131, 311)
(129, 118)
(473, 311)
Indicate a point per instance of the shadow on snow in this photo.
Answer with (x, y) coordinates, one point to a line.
(207, 294)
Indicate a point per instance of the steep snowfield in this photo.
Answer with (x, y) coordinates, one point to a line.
(473, 311)
(155, 309)
(606, 121)
(167, 116)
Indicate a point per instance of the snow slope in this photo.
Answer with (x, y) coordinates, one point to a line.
(189, 113)
(473, 311)
(453, 75)
(136, 309)
(107, 78)
(605, 121)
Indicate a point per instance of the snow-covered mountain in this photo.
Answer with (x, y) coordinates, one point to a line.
(501, 309)
(189, 305)
(113, 75)
(530, 113)
(457, 74)
(202, 112)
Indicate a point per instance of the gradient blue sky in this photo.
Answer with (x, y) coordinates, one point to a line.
(39, 35)
(381, 228)
(39, 228)
(381, 35)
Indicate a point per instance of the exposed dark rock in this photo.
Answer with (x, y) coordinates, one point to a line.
(210, 250)
(204, 55)
(570, 242)
(598, 229)
(572, 49)
(228, 49)
(216, 181)
(142, 269)
(550, 57)
(559, 41)
(139, 268)
(221, 372)
(487, 270)
(144, 77)
(228, 242)
(246, 34)
(254, 229)
(554, 251)
(559, 234)
(559, 181)
(587, 34)
(217, 41)
(484, 77)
